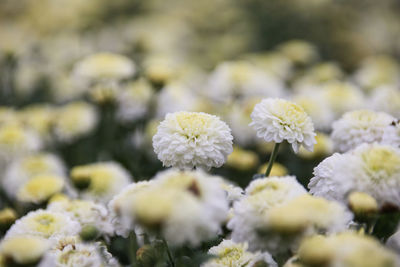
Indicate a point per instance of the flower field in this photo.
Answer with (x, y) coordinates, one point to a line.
(223, 133)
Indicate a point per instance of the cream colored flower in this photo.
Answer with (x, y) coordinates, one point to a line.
(231, 254)
(192, 139)
(346, 249)
(104, 66)
(74, 120)
(45, 224)
(100, 181)
(276, 120)
(359, 126)
(24, 249)
(40, 188)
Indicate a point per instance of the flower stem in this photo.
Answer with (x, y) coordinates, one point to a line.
(272, 159)
(171, 260)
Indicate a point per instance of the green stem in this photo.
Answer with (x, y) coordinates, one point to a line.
(171, 259)
(272, 159)
(133, 247)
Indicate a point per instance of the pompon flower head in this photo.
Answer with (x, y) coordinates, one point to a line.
(16, 141)
(276, 120)
(347, 249)
(192, 139)
(359, 126)
(240, 80)
(306, 215)
(229, 254)
(249, 212)
(104, 66)
(299, 51)
(43, 223)
(184, 207)
(79, 254)
(373, 169)
(387, 99)
(378, 70)
(120, 208)
(40, 188)
(100, 181)
(74, 120)
(25, 168)
(86, 212)
(23, 249)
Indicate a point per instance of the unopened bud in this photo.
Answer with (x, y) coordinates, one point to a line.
(361, 203)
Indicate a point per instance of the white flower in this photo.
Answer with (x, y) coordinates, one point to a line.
(185, 207)
(104, 66)
(357, 127)
(23, 169)
(231, 254)
(192, 139)
(373, 169)
(17, 141)
(323, 183)
(45, 224)
(74, 120)
(387, 99)
(101, 181)
(133, 100)
(347, 249)
(241, 79)
(261, 196)
(277, 120)
(120, 208)
(378, 70)
(24, 249)
(86, 212)
(79, 254)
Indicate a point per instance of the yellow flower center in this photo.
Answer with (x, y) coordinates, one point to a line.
(193, 124)
(379, 159)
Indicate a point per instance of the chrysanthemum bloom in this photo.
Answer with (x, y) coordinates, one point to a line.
(79, 254)
(378, 70)
(20, 171)
(24, 249)
(373, 169)
(39, 117)
(86, 212)
(305, 215)
(276, 120)
(74, 120)
(387, 99)
(240, 80)
(346, 249)
(17, 141)
(185, 207)
(300, 52)
(229, 253)
(249, 212)
(360, 126)
(104, 66)
(40, 188)
(192, 139)
(100, 181)
(45, 224)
